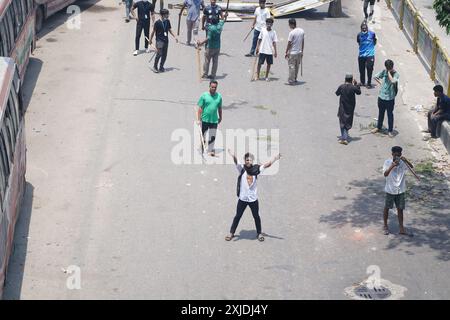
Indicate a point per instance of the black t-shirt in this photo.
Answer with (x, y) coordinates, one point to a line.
(162, 30)
(144, 8)
(212, 12)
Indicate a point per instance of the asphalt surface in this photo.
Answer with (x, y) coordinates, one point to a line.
(103, 192)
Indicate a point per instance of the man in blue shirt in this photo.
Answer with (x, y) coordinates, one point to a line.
(193, 17)
(440, 113)
(366, 58)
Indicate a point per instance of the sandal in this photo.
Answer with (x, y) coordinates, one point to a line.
(260, 237)
(229, 237)
(385, 231)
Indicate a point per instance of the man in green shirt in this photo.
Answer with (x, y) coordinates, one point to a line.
(212, 49)
(388, 79)
(209, 114)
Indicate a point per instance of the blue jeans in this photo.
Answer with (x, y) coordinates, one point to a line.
(344, 134)
(128, 4)
(255, 41)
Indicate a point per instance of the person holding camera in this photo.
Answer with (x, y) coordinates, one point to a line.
(394, 171)
(388, 79)
(347, 102)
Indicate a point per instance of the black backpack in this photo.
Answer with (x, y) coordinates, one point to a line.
(238, 188)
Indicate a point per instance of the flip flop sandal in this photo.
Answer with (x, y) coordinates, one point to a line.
(260, 238)
(385, 231)
(406, 234)
(228, 238)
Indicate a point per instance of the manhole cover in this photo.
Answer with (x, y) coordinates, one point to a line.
(385, 290)
(372, 293)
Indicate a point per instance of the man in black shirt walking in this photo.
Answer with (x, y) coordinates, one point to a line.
(145, 11)
(162, 28)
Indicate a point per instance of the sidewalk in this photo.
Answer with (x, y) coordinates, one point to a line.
(416, 87)
(426, 10)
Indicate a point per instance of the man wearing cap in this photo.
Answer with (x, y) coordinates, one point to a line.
(347, 102)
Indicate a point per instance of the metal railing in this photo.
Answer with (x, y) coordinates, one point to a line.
(424, 42)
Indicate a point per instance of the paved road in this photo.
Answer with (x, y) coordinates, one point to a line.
(103, 193)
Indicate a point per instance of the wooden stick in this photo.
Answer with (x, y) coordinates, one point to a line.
(199, 65)
(254, 68)
(412, 171)
(301, 67)
(202, 138)
(179, 19)
(247, 35)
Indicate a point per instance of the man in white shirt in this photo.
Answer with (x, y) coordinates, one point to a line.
(294, 50)
(394, 171)
(247, 191)
(259, 23)
(266, 48)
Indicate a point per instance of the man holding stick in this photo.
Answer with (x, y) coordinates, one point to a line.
(294, 50)
(212, 48)
(394, 171)
(209, 12)
(192, 18)
(247, 191)
(145, 11)
(209, 114)
(259, 22)
(162, 27)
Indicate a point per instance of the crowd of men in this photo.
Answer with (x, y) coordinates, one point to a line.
(264, 50)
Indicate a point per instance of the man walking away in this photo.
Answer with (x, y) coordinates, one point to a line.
(145, 11)
(394, 171)
(366, 58)
(212, 49)
(259, 22)
(193, 16)
(440, 113)
(347, 103)
(247, 191)
(386, 97)
(209, 114)
(294, 50)
(162, 27)
(211, 11)
(366, 4)
(266, 48)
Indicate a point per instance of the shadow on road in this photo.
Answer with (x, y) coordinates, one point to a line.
(427, 212)
(14, 276)
(251, 235)
(61, 17)
(31, 77)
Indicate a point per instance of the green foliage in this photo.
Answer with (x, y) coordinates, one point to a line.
(442, 8)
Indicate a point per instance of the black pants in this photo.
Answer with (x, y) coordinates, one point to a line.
(366, 4)
(212, 127)
(383, 106)
(161, 53)
(241, 205)
(366, 63)
(433, 123)
(142, 25)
